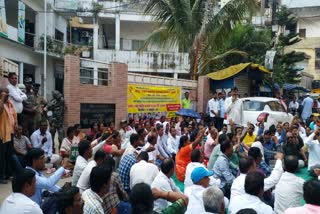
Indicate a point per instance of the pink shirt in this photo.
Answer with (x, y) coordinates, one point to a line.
(306, 209)
(209, 146)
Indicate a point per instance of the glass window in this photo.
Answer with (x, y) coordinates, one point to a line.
(86, 75)
(276, 106)
(317, 61)
(253, 105)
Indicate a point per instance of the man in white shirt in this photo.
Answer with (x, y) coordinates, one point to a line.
(234, 108)
(23, 187)
(314, 151)
(289, 190)
(164, 182)
(142, 171)
(134, 143)
(197, 161)
(200, 178)
(16, 96)
(247, 165)
(214, 109)
(213, 201)
(42, 139)
(254, 188)
(83, 182)
(85, 153)
(173, 141)
(293, 105)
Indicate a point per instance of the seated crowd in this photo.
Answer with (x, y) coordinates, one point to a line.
(176, 166)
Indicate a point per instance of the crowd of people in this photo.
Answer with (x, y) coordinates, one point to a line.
(177, 165)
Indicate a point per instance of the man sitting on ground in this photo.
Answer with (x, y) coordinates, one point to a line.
(311, 194)
(254, 186)
(85, 153)
(289, 185)
(213, 200)
(164, 182)
(35, 161)
(23, 187)
(83, 182)
(143, 171)
(69, 201)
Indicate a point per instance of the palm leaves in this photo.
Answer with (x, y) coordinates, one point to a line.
(196, 26)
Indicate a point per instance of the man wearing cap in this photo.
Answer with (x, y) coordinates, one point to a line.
(200, 177)
(40, 103)
(28, 109)
(307, 104)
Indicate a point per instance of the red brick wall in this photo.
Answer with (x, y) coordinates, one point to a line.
(203, 93)
(76, 93)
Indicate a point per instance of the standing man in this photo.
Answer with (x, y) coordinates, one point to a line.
(29, 109)
(233, 107)
(220, 118)
(8, 122)
(307, 104)
(56, 106)
(294, 105)
(214, 109)
(186, 102)
(40, 103)
(16, 96)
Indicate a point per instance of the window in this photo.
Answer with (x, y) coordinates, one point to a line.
(276, 106)
(317, 63)
(103, 76)
(137, 44)
(302, 33)
(86, 75)
(252, 105)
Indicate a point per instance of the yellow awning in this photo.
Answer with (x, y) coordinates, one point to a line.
(235, 69)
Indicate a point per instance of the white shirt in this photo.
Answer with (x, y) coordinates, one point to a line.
(234, 110)
(36, 140)
(84, 180)
(288, 192)
(214, 106)
(153, 154)
(237, 187)
(314, 151)
(293, 105)
(143, 172)
(80, 165)
(191, 166)
(18, 203)
(166, 184)
(195, 195)
(173, 143)
(248, 201)
(129, 150)
(16, 97)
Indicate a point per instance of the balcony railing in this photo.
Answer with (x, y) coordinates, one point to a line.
(149, 61)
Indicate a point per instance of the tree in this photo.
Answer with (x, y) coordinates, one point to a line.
(195, 26)
(285, 69)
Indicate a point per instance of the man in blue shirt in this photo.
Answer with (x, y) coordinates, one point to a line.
(35, 160)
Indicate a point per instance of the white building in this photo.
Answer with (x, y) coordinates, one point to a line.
(120, 29)
(21, 40)
(308, 27)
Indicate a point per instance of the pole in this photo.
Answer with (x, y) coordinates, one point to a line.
(45, 52)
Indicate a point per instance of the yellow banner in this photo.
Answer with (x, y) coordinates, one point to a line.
(153, 101)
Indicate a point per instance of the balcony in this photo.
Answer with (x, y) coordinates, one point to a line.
(147, 62)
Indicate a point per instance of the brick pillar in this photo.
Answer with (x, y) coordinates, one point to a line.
(203, 93)
(71, 84)
(119, 74)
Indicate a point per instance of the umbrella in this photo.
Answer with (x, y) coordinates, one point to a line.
(188, 113)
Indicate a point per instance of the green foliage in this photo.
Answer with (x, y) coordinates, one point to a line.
(285, 70)
(194, 26)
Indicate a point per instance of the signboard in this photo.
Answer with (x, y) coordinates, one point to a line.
(90, 113)
(145, 101)
(3, 20)
(268, 63)
(21, 21)
(67, 4)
